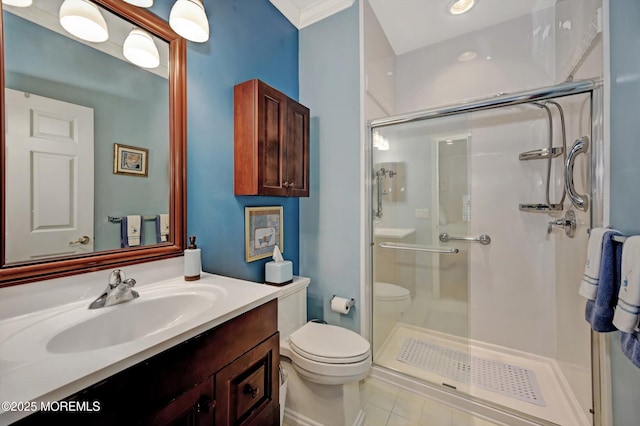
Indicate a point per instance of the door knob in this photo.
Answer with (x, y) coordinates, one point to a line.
(82, 240)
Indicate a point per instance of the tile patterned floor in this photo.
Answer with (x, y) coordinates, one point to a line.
(387, 405)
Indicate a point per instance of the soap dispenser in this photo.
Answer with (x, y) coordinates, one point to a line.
(192, 261)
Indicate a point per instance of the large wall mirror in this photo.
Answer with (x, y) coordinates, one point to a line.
(94, 140)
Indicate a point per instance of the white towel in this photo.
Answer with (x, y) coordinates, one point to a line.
(134, 224)
(625, 317)
(164, 227)
(590, 279)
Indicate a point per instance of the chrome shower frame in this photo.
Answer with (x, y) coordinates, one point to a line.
(599, 343)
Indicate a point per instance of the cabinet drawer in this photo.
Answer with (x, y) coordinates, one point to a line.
(247, 389)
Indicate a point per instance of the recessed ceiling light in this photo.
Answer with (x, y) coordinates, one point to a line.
(467, 56)
(458, 7)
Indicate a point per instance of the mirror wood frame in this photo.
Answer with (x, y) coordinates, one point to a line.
(25, 272)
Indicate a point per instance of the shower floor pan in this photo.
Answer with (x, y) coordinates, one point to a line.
(530, 384)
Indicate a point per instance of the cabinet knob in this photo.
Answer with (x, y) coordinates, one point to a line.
(292, 184)
(204, 404)
(286, 184)
(250, 390)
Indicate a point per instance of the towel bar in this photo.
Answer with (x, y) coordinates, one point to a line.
(619, 238)
(413, 247)
(118, 219)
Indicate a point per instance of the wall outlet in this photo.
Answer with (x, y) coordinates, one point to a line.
(422, 213)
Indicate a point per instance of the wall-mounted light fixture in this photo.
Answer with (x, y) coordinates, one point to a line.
(140, 49)
(140, 3)
(458, 7)
(18, 3)
(188, 19)
(84, 20)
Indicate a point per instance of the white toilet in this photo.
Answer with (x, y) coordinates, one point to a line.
(324, 364)
(390, 301)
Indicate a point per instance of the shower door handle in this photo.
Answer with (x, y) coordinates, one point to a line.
(580, 201)
(415, 247)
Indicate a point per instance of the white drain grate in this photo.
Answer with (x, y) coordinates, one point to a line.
(505, 379)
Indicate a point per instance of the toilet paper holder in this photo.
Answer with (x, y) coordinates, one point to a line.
(351, 304)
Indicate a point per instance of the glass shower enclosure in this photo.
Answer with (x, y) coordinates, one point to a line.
(478, 250)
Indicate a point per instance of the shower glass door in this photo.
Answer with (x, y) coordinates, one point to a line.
(471, 291)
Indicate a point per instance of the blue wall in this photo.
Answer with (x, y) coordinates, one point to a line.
(625, 177)
(330, 218)
(249, 39)
(48, 64)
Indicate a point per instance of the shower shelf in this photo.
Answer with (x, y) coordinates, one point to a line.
(540, 208)
(541, 154)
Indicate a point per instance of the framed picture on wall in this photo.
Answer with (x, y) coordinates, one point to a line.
(263, 231)
(130, 160)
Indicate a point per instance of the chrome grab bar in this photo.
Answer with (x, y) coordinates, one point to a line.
(414, 247)
(483, 239)
(580, 201)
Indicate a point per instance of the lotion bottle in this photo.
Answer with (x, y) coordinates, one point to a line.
(192, 261)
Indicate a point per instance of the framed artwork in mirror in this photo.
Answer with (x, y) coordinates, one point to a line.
(263, 231)
(130, 160)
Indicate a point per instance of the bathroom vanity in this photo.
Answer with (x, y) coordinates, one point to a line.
(209, 356)
(225, 376)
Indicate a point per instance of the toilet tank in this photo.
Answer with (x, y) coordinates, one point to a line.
(292, 306)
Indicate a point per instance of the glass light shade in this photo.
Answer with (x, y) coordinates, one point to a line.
(18, 3)
(140, 3)
(84, 20)
(188, 19)
(140, 49)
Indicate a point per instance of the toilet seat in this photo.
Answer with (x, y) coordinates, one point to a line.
(389, 292)
(329, 344)
(328, 354)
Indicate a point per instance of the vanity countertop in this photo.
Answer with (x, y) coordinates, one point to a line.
(35, 374)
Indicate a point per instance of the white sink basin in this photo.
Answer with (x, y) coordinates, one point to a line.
(77, 329)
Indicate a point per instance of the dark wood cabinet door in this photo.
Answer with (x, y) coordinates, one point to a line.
(195, 407)
(297, 150)
(247, 389)
(272, 111)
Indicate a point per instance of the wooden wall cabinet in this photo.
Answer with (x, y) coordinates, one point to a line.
(271, 142)
(225, 376)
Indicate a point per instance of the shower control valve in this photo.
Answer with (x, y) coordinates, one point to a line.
(569, 224)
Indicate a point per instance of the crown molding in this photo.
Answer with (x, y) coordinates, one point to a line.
(311, 14)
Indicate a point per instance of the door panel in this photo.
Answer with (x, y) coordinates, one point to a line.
(48, 211)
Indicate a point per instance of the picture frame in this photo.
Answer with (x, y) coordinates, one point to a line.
(263, 231)
(130, 160)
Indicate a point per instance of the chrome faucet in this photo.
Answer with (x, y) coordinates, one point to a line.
(119, 290)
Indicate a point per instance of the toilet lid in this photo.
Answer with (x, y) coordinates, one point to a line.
(329, 344)
(386, 291)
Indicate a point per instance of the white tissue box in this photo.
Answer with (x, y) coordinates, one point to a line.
(278, 273)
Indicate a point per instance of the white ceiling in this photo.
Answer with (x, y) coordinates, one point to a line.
(412, 24)
(302, 13)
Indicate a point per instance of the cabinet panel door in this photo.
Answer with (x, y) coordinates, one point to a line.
(247, 389)
(193, 408)
(272, 109)
(297, 155)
